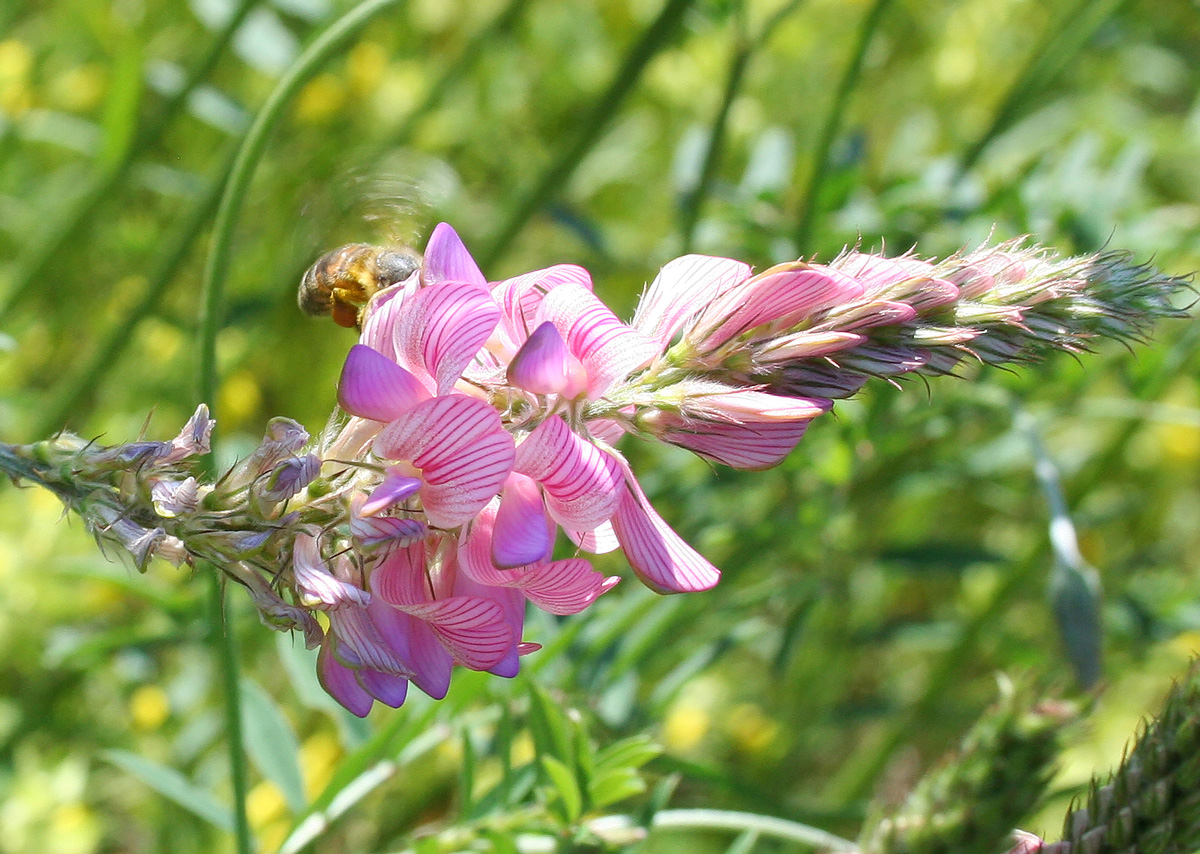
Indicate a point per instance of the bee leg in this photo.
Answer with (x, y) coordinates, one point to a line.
(343, 312)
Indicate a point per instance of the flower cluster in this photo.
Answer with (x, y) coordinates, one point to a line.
(478, 418)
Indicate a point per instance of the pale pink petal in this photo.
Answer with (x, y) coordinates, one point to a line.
(473, 630)
(317, 586)
(783, 296)
(447, 259)
(394, 489)
(608, 349)
(607, 430)
(875, 273)
(377, 530)
(382, 314)
(340, 683)
(682, 288)
(599, 541)
(582, 482)
(462, 450)
(541, 365)
(511, 603)
(399, 579)
(373, 386)
(658, 555)
(442, 329)
(522, 531)
(752, 446)
(565, 586)
(520, 297)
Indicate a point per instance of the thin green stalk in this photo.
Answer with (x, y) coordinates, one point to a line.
(101, 185)
(1048, 60)
(333, 40)
(591, 126)
(778, 828)
(833, 121)
(743, 51)
(70, 404)
(324, 47)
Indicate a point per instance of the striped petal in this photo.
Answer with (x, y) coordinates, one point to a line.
(394, 489)
(750, 446)
(784, 295)
(681, 289)
(582, 482)
(442, 329)
(520, 297)
(387, 688)
(658, 555)
(447, 259)
(316, 585)
(599, 541)
(608, 349)
(462, 450)
(472, 629)
(373, 386)
(522, 532)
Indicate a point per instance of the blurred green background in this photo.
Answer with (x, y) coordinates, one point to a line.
(875, 583)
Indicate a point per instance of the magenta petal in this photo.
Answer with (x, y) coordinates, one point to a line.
(472, 629)
(521, 296)
(387, 688)
(565, 586)
(582, 482)
(751, 446)
(340, 683)
(373, 386)
(399, 579)
(512, 608)
(393, 530)
(658, 555)
(447, 259)
(682, 288)
(462, 449)
(608, 349)
(542, 364)
(394, 489)
(383, 312)
(443, 328)
(522, 532)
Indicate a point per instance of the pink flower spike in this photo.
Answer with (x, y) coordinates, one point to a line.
(541, 365)
(395, 488)
(447, 259)
(372, 386)
(340, 683)
(681, 289)
(462, 449)
(608, 349)
(399, 581)
(442, 329)
(658, 555)
(582, 482)
(522, 532)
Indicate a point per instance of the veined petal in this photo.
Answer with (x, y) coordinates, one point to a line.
(387, 688)
(681, 289)
(565, 586)
(522, 531)
(373, 386)
(658, 555)
(520, 297)
(582, 482)
(599, 541)
(381, 315)
(784, 296)
(608, 349)
(753, 446)
(340, 683)
(511, 603)
(462, 449)
(442, 329)
(361, 644)
(541, 365)
(472, 629)
(316, 584)
(376, 530)
(399, 579)
(447, 259)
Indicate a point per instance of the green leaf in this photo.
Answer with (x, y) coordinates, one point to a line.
(271, 744)
(632, 752)
(549, 727)
(566, 786)
(121, 108)
(172, 785)
(615, 785)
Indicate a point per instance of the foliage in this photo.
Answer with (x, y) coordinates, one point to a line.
(875, 582)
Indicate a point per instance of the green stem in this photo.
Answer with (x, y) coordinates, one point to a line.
(323, 48)
(743, 51)
(833, 123)
(100, 187)
(591, 126)
(702, 819)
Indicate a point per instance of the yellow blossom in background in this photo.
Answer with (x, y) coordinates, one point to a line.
(321, 100)
(149, 707)
(16, 62)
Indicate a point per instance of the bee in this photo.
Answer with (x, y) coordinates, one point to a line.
(340, 283)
